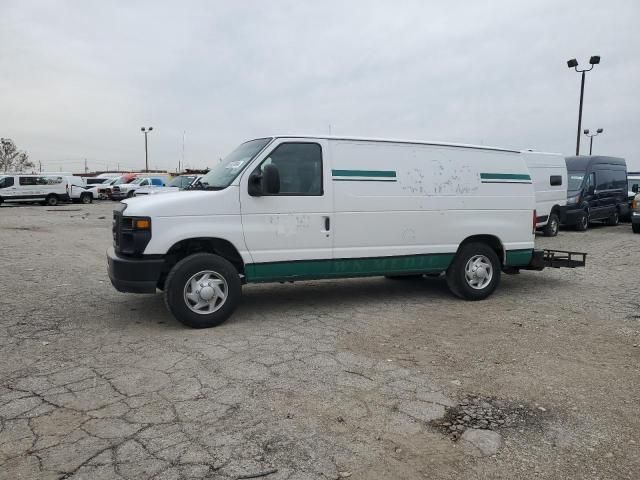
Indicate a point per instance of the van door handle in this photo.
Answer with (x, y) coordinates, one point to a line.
(327, 224)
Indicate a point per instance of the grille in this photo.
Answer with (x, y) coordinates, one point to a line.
(115, 228)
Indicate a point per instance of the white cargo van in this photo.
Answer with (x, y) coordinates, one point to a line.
(288, 208)
(41, 188)
(549, 176)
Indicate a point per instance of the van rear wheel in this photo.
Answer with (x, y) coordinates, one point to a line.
(51, 200)
(475, 272)
(614, 219)
(202, 290)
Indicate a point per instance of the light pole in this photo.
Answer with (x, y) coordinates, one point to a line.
(573, 63)
(146, 150)
(598, 132)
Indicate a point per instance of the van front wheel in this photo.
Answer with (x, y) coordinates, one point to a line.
(475, 272)
(583, 222)
(202, 290)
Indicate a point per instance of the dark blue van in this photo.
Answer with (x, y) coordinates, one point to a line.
(596, 191)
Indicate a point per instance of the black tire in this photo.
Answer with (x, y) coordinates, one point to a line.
(177, 283)
(582, 225)
(614, 219)
(51, 201)
(86, 198)
(411, 276)
(635, 227)
(130, 194)
(456, 273)
(0, 200)
(552, 227)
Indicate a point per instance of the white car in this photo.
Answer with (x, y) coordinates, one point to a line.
(178, 183)
(127, 190)
(287, 208)
(102, 190)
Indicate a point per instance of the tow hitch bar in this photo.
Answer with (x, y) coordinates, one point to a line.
(556, 259)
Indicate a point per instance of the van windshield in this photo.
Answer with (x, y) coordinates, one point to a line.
(6, 182)
(230, 167)
(575, 181)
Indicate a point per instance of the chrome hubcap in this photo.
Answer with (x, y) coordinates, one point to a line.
(205, 292)
(478, 272)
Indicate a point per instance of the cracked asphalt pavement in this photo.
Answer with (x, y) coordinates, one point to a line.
(315, 380)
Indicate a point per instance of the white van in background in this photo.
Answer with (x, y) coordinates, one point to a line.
(287, 208)
(41, 188)
(549, 176)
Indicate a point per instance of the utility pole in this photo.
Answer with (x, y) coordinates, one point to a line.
(86, 169)
(146, 150)
(598, 132)
(184, 132)
(40, 165)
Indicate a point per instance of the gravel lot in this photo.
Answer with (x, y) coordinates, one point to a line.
(329, 379)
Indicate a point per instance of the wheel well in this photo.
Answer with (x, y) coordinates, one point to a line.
(490, 240)
(555, 209)
(217, 246)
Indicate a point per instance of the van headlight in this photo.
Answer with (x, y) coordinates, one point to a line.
(573, 200)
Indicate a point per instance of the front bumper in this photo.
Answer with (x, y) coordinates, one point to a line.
(134, 275)
(118, 195)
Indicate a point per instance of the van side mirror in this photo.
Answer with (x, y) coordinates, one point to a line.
(266, 182)
(271, 179)
(255, 184)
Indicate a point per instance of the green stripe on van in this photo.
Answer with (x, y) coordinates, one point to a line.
(364, 267)
(347, 267)
(364, 173)
(505, 176)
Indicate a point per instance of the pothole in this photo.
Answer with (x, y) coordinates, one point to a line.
(487, 413)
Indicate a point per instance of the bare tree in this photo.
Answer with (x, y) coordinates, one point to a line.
(12, 159)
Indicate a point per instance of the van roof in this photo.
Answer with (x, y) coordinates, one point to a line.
(392, 140)
(583, 162)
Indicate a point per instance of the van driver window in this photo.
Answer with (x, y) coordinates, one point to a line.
(6, 182)
(299, 166)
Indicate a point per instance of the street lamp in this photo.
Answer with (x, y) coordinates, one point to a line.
(146, 150)
(573, 63)
(598, 132)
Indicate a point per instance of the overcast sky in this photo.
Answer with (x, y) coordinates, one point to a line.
(79, 79)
